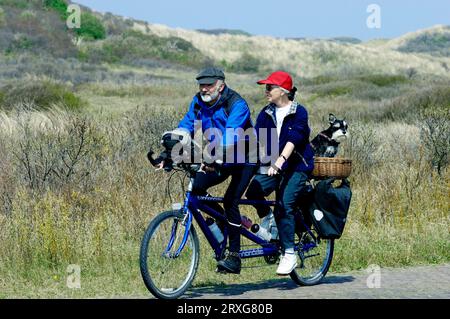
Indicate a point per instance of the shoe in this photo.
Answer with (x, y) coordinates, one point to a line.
(230, 264)
(287, 264)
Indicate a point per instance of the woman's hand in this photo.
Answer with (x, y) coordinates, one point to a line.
(207, 168)
(276, 167)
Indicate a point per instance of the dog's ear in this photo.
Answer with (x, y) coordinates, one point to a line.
(331, 118)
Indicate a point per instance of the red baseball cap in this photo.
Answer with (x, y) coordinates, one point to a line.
(279, 78)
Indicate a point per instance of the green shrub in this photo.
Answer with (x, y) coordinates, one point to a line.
(91, 27)
(333, 89)
(320, 79)
(133, 46)
(247, 63)
(39, 95)
(384, 79)
(59, 6)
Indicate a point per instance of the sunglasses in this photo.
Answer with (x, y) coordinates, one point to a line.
(270, 87)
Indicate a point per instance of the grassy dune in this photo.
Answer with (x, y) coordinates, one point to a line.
(308, 58)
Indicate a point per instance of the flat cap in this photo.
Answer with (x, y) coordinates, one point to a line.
(210, 75)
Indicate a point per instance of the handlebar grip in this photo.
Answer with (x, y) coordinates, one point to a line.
(154, 162)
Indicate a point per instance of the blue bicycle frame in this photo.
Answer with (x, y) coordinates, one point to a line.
(194, 205)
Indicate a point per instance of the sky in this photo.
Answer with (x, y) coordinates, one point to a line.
(287, 18)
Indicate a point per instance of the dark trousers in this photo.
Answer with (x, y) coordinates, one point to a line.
(289, 187)
(240, 178)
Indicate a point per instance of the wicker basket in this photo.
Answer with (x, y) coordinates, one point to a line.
(332, 167)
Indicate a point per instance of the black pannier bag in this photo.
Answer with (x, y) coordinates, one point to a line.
(328, 211)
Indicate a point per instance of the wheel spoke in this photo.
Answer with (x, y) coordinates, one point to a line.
(315, 258)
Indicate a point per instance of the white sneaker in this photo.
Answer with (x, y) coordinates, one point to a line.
(287, 264)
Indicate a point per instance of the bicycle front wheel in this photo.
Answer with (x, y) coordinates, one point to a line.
(167, 274)
(314, 259)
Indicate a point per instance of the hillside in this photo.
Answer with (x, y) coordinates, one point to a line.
(434, 41)
(306, 57)
(38, 28)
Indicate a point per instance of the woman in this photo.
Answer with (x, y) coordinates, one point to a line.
(286, 120)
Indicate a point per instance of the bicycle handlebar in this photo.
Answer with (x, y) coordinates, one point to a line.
(189, 167)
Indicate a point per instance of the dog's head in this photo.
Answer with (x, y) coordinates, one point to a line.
(338, 129)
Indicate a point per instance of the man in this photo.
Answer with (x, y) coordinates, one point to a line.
(222, 111)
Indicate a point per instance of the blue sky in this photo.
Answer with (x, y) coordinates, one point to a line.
(286, 18)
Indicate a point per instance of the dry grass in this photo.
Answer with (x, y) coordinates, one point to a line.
(400, 205)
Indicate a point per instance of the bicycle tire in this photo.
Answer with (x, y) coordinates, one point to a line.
(311, 272)
(166, 276)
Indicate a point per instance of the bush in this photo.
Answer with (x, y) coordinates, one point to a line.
(20, 43)
(91, 27)
(408, 106)
(59, 6)
(38, 95)
(133, 45)
(333, 89)
(247, 63)
(435, 134)
(384, 79)
(361, 148)
(56, 158)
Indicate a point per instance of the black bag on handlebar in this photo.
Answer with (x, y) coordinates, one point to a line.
(328, 211)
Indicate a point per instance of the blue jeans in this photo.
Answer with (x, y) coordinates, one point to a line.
(289, 187)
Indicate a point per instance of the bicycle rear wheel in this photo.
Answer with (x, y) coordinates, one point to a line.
(166, 274)
(314, 259)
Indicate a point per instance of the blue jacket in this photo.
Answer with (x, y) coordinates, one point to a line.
(229, 112)
(295, 129)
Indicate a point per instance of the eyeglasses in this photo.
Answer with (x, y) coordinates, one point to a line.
(270, 87)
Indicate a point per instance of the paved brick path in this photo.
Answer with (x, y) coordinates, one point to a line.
(414, 282)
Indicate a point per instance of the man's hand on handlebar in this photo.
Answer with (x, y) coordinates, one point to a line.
(160, 166)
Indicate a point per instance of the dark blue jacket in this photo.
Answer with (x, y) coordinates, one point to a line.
(229, 112)
(295, 129)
